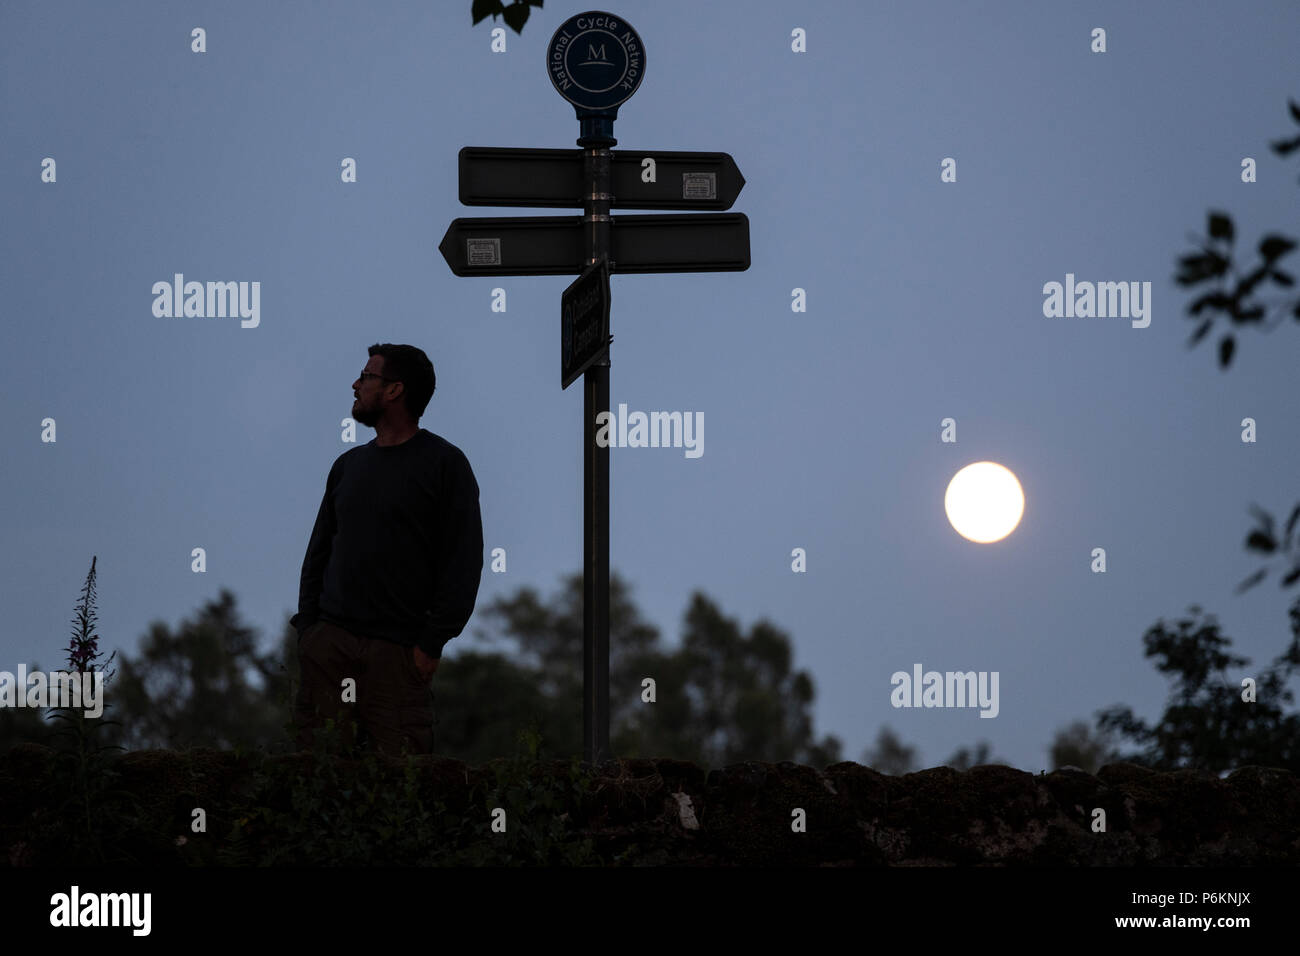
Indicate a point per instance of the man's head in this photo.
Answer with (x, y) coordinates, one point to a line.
(395, 387)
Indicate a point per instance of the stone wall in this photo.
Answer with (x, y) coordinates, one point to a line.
(666, 812)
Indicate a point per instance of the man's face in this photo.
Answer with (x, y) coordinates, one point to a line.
(371, 400)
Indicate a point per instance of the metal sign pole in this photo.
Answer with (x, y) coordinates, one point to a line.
(595, 61)
(595, 475)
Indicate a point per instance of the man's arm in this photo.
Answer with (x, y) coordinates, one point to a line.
(460, 563)
(318, 555)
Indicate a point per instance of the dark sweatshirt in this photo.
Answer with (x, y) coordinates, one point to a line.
(397, 550)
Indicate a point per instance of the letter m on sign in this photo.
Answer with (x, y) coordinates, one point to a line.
(596, 54)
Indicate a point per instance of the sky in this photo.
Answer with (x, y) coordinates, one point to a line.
(924, 301)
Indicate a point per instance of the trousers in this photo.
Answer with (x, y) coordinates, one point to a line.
(391, 708)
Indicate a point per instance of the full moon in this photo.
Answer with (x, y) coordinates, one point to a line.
(984, 502)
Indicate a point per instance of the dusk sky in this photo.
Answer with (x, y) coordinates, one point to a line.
(822, 428)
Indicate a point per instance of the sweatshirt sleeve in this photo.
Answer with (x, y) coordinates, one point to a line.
(460, 562)
(319, 546)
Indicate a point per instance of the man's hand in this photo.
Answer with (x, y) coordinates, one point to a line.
(425, 664)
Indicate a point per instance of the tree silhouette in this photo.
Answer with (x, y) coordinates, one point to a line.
(1207, 724)
(722, 697)
(481, 703)
(205, 685)
(547, 645)
(749, 704)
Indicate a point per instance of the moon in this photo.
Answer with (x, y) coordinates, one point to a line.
(984, 502)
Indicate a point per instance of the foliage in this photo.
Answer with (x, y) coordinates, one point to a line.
(333, 810)
(1206, 724)
(338, 811)
(537, 815)
(721, 697)
(515, 15)
(1215, 262)
(83, 649)
(1264, 539)
(204, 685)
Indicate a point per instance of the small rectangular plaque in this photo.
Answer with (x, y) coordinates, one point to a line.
(699, 185)
(483, 252)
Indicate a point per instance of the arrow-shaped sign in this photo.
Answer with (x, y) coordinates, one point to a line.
(554, 245)
(553, 177)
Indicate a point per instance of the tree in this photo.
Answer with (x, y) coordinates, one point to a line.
(722, 697)
(482, 701)
(749, 704)
(1214, 261)
(206, 685)
(1207, 724)
(547, 643)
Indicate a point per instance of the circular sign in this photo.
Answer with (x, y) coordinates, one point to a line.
(595, 60)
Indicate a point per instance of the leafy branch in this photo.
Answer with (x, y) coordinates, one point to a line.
(1214, 261)
(1264, 539)
(515, 15)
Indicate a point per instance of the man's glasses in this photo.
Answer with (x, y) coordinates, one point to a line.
(365, 375)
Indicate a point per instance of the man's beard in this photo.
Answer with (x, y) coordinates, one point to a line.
(364, 416)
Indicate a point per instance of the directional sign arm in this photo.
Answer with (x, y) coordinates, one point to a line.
(703, 243)
(554, 245)
(491, 176)
(520, 177)
(681, 180)
(514, 246)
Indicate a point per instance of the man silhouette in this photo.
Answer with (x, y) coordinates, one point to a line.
(392, 567)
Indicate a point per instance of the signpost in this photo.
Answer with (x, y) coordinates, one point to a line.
(595, 61)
